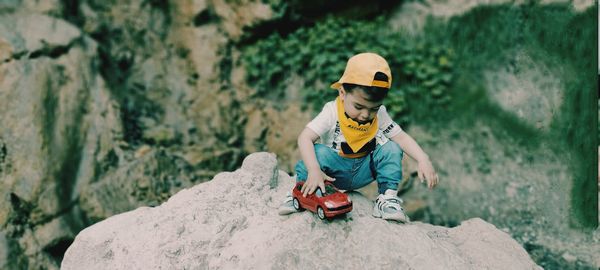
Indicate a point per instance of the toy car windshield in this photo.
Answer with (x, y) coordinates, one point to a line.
(328, 191)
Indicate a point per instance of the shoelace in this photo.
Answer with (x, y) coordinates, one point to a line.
(393, 202)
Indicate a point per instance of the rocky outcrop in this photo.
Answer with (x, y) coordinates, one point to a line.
(54, 105)
(169, 67)
(61, 137)
(231, 222)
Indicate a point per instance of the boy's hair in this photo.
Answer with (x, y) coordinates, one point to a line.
(374, 93)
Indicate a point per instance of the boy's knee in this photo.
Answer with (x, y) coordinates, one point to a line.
(392, 148)
(321, 150)
(323, 154)
(300, 166)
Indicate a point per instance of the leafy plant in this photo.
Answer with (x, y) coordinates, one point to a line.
(318, 54)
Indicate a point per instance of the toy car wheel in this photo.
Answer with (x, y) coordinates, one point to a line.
(297, 205)
(320, 212)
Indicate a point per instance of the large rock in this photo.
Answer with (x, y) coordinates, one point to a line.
(244, 14)
(57, 117)
(62, 160)
(168, 66)
(231, 222)
(50, 7)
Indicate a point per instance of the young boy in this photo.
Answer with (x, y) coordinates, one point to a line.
(360, 143)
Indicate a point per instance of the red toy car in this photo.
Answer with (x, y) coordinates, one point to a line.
(329, 204)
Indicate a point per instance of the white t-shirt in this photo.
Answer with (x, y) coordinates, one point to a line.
(327, 126)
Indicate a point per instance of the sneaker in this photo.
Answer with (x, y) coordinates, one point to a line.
(387, 206)
(287, 207)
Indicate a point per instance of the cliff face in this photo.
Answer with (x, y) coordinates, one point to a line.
(231, 222)
(57, 117)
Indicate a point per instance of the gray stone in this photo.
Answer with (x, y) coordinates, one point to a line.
(4, 251)
(29, 33)
(58, 121)
(231, 222)
(264, 166)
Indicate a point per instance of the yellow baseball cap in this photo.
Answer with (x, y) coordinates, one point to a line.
(361, 70)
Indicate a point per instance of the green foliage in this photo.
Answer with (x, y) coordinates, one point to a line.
(492, 34)
(426, 75)
(279, 7)
(19, 218)
(318, 54)
(491, 37)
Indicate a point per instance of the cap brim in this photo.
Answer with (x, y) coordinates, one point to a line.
(336, 85)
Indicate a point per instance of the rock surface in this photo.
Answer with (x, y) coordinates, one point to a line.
(56, 117)
(231, 222)
(61, 137)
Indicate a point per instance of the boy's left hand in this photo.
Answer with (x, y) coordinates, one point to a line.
(427, 172)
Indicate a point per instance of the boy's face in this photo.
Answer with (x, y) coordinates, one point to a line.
(358, 107)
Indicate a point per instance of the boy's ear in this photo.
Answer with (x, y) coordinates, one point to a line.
(341, 92)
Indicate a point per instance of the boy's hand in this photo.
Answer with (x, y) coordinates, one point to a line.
(427, 172)
(315, 179)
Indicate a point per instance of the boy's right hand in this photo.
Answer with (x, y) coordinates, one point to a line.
(315, 179)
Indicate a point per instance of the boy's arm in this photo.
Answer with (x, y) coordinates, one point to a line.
(412, 148)
(306, 145)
